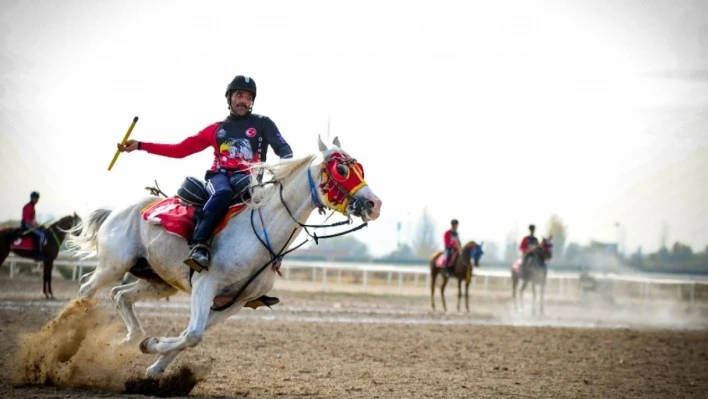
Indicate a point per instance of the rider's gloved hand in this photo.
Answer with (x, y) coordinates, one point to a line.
(130, 145)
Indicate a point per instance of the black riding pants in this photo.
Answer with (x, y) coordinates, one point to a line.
(223, 188)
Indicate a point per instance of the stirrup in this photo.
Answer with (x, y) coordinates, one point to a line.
(192, 263)
(262, 301)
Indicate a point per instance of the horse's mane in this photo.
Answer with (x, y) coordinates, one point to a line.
(59, 221)
(469, 245)
(281, 172)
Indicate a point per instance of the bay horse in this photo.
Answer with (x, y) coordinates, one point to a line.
(13, 239)
(535, 270)
(462, 271)
(243, 247)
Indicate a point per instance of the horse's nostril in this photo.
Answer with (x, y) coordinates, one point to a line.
(369, 204)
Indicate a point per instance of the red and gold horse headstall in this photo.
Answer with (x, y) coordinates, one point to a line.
(342, 177)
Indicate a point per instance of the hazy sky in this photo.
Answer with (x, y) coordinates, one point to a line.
(595, 110)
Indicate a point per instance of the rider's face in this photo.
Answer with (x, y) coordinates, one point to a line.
(241, 102)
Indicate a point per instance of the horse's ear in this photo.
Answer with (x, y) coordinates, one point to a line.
(336, 142)
(481, 243)
(321, 144)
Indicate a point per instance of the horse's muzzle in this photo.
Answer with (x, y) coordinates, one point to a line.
(366, 205)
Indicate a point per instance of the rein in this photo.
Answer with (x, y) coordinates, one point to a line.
(276, 258)
(52, 228)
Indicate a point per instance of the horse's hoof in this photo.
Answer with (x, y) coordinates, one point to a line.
(154, 372)
(144, 345)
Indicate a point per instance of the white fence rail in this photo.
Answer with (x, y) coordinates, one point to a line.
(559, 282)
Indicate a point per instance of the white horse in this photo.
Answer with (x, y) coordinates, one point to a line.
(241, 251)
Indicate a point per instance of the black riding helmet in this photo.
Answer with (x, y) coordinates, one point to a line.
(241, 82)
(34, 194)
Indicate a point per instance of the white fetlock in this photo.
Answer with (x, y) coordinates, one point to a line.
(133, 338)
(154, 371)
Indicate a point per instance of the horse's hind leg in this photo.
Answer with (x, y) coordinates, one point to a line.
(514, 284)
(442, 292)
(100, 277)
(83, 279)
(432, 288)
(125, 296)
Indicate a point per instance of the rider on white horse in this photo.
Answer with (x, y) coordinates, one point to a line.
(239, 141)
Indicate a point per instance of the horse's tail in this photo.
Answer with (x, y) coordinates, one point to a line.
(85, 242)
(11, 234)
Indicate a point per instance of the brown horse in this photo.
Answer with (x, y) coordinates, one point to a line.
(462, 271)
(13, 239)
(534, 270)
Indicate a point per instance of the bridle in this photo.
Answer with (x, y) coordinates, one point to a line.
(277, 257)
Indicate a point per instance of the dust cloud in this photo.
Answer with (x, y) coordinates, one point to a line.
(79, 348)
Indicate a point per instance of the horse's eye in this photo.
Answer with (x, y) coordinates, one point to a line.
(343, 170)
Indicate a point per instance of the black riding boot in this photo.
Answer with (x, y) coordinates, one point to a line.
(38, 253)
(449, 268)
(200, 257)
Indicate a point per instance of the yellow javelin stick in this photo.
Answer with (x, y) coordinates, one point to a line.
(127, 134)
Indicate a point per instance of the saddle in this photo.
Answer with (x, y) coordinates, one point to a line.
(442, 259)
(25, 241)
(194, 192)
(177, 216)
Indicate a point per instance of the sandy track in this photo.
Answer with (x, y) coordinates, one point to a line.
(392, 346)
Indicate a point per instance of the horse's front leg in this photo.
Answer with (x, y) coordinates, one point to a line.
(159, 367)
(459, 294)
(47, 278)
(432, 288)
(467, 295)
(543, 289)
(521, 293)
(533, 298)
(203, 294)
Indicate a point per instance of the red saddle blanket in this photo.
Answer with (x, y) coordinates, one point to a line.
(24, 243)
(178, 218)
(440, 262)
(517, 265)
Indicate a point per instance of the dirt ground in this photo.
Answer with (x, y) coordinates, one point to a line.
(332, 345)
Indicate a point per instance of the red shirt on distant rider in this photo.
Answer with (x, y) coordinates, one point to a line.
(452, 244)
(29, 222)
(528, 241)
(28, 216)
